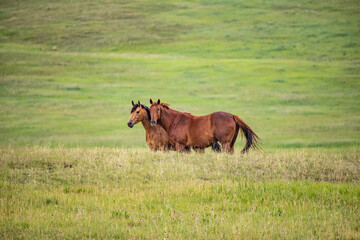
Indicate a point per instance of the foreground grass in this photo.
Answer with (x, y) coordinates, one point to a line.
(134, 193)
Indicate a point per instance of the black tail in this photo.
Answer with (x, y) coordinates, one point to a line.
(252, 140)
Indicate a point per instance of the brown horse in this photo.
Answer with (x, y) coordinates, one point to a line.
(186, 130)
(156, 137)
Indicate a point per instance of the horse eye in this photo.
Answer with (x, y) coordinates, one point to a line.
(137, 112)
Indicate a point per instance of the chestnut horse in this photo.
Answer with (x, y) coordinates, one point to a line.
(156, 137)
(186, 130)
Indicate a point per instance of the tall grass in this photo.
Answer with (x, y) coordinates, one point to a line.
(134, 193)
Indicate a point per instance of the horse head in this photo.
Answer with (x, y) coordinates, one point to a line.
(155, 112)
(137, 114)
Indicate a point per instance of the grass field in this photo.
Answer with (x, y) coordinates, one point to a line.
(68, 73)
(136, 194)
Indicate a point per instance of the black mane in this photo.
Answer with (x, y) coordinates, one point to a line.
(143, 106)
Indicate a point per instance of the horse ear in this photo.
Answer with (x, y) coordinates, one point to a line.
(139, 103)
(151, 101)
(158, 101)
(132, 103)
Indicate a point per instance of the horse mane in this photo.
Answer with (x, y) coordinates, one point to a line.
(165, 105)
(143, 106)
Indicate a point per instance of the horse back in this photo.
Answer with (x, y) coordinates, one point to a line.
(221, 118)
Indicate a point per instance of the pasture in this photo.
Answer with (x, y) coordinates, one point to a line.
(71, 168)
(136, 194)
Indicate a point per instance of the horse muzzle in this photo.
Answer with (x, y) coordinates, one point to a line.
(130, 124)
(153, 123)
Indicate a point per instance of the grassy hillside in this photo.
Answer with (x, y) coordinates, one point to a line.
(69, 70)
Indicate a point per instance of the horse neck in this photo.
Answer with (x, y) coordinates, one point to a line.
(146, 124)
(167, 118)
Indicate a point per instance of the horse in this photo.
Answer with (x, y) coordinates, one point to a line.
(156, 137)
(186, 131)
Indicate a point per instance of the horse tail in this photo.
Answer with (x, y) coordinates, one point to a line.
(252, 140)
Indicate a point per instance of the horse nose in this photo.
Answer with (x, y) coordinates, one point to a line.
(153, 122)
(130, 125)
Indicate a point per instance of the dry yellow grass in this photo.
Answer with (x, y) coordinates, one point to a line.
(134, 193)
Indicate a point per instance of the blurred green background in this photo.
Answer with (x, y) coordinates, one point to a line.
(69, 69)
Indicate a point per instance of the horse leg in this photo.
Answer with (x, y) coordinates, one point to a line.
(234, 138)
(230, 146)
(227, 147)
(152, 148)
(226, 133)
(231, 150)
(216, 147)
(181, 148)
(199, 150)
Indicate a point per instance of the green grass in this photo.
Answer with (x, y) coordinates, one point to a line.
(68, 73)
(84, 99)
(135, 194)
(69, 70)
